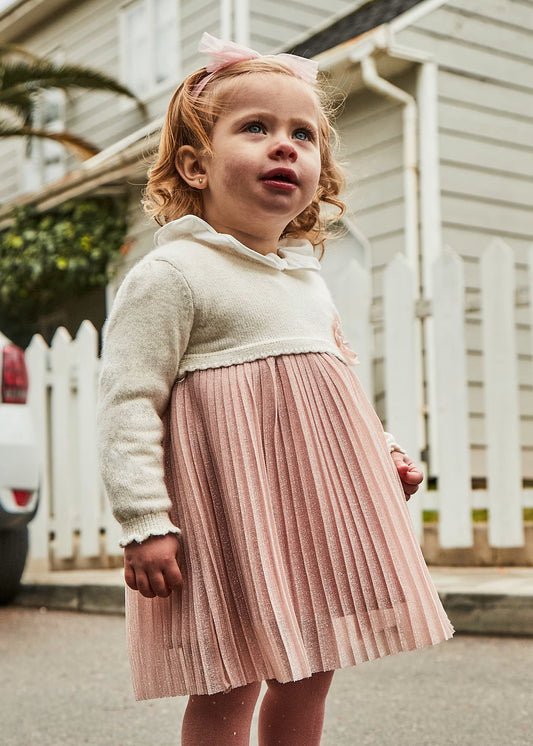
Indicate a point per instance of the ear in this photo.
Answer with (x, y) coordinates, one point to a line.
(189, 166)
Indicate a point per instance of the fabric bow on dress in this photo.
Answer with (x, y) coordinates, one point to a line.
(342, 343)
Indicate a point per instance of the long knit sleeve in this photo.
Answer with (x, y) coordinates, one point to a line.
(144, 339)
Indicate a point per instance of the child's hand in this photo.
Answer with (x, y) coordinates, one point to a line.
(152, 567)
(409, 473)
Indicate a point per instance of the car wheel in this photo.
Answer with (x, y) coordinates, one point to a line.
(13, 551)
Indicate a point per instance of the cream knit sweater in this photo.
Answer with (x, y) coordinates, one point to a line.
(200, 299)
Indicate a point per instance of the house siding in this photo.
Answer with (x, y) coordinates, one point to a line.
(88, 33)
(372, 144)
(484, 51)
(275, 23)
(196, 17)
(371, 133)
(11, 154)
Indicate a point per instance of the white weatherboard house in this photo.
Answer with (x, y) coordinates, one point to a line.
(437, 141)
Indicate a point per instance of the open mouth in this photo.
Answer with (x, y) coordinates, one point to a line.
(281, 176)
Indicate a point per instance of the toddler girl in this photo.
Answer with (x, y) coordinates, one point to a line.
(263, 510)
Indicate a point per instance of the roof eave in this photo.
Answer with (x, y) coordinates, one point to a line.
(342, 63)
(122, 161)
(23, 16)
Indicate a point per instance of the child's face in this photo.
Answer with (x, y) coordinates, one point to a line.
(265, 166)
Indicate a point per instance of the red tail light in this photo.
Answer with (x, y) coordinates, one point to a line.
(22, 497)
(14, 376)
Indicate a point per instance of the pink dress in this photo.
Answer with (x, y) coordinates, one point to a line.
(298, 552)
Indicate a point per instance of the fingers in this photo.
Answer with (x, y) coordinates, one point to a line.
(129, 577)
(153, 582)
(173, 577)
(410, 481)
(152, 567)
(410, 475)
(409, 489)
(144, 585)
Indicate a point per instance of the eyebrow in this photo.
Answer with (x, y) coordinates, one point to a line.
(258, 114)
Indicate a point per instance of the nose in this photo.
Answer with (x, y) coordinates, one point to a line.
(284, 148)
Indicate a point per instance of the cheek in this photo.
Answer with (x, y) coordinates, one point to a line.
(234, 172)
(314, 168)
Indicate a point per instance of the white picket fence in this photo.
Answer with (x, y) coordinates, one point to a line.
(74, 522)
(75, 526)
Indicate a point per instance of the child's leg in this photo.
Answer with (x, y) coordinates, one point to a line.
(293, 714)
(223, 718)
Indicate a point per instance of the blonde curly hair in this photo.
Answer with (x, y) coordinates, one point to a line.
(189, 121)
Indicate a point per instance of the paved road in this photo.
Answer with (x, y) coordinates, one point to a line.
(64, 681)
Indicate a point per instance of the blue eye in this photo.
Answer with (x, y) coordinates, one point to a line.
(302, 134)
(256, 128)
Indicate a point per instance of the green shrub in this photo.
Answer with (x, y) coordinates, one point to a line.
(47, 259)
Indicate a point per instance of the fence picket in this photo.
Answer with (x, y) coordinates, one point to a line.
(88, 483)
(451, 402)
(63, 492)
(356, 325)
(37, 364)
(402, 379)
(501, 396)
(351, 288)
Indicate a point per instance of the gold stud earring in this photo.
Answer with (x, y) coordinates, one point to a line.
(200, 181)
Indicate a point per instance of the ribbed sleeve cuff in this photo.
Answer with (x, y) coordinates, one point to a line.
(142, 527)
(395, 447)
(392, 444)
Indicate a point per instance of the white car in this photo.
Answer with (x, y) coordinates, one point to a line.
(19, 468)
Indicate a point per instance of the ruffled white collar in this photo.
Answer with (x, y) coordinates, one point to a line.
(292, 253)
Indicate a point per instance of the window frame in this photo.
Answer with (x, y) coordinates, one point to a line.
(154, 89)
(33, 154)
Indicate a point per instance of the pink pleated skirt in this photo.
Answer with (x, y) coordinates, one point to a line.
(298, 552)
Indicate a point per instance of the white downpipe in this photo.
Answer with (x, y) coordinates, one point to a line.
(430, 212)
(226, 11)
(431, 221)
(429, 178)
(384, 87)
(410, 161)
(427, 181)
(242, 22)
(430, 235)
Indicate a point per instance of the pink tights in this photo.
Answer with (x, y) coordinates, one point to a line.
(291, 714)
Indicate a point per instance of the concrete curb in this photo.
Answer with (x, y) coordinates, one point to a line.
(470, 613)
(490, 614)
(96, 599)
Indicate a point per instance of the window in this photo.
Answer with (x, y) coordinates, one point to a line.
(44, 160)
(150, 45)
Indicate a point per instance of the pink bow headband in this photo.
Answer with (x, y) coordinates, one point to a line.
(225, 53)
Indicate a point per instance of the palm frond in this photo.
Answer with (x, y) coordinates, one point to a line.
(82, 147)
(21, 103)
(8, 50)
(23, 77)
